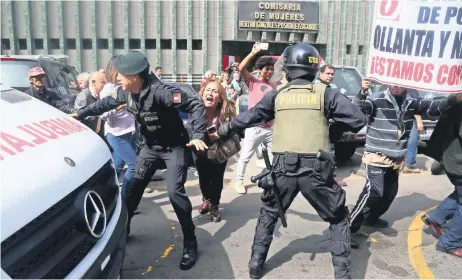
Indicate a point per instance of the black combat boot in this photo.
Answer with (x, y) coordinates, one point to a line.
(129, 221)
(257, 260)
(379, 223)
(189, 253)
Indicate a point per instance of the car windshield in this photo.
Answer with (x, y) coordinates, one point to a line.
(61, 76)
(14, 73)
(347, 79)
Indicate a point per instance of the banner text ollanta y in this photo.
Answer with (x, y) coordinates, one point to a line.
(417, 45)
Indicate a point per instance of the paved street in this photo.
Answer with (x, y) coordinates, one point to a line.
(299, 251)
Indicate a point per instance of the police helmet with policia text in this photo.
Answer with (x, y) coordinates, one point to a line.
(297, 60)
(302, 56)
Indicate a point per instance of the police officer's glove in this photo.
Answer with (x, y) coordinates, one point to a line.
(225, 129)
(263, 183)
(76, 116)
(267, 195)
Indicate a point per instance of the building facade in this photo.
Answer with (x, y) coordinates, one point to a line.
(186, 38)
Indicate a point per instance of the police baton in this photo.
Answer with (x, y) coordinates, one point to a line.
(324, 156)
(255, 178)
(277, 198)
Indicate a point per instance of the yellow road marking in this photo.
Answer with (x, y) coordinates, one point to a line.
(170, 248)
(167, 251)
(147, 270)
(414, 245)
(372, 239)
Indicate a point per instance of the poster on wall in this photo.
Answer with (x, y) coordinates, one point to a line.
(417, 44)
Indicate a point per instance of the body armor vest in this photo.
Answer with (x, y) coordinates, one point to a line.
(300, 125)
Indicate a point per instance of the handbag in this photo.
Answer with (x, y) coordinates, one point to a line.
(223, 149)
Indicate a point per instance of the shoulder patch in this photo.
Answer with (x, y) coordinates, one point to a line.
(177, 97)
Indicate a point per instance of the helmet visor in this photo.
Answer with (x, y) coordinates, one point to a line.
(278, 68)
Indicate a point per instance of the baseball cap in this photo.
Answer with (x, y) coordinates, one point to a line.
(132, 63)
(36, 71)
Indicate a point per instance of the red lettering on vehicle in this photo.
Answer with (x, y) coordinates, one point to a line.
(45, 132)
(15, 142)
(40, 133)
(55, 128)
(64, 125)
(29, 130)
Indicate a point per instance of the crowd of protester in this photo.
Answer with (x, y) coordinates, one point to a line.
(220, 96)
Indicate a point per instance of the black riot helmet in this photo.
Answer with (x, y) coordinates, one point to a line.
(301, 60)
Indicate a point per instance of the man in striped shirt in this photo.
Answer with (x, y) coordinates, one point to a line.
(390, 118)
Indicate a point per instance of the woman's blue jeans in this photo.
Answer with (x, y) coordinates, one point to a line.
(449, 212)
(411, 153)
(124, 153)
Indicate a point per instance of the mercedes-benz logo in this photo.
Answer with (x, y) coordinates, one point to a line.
(95, 214)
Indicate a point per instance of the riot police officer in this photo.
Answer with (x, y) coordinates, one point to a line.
(155, 106)
(301, 110)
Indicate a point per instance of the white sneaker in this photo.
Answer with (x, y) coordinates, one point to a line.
(239, 188)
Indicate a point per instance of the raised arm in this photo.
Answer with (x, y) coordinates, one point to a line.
(99, 107)
(347, 116)
(360, 99)
(430, 107)
(244, 63)
(262, 112)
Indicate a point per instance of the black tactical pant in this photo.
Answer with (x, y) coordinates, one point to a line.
(378, 194)
(147, 162)
(329, 202)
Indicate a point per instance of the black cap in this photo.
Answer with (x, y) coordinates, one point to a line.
(132, 63)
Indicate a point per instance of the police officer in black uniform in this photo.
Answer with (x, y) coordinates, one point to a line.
(301, 110)
(155, 106)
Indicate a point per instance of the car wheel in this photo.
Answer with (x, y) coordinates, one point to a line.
(437, 168)
(344, 151)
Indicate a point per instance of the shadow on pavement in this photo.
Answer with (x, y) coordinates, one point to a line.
(147, 255)
(310, 244)
(403, 207)
(235, 214)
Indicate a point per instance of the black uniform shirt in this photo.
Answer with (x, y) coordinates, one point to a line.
(51, 98)
(166, 100)
(347, 116)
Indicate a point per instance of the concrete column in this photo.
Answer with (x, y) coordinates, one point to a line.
(11, 27)
(28, 27)
(78, 38)
(94, 50)
(205, 50)
(142, 13)
(174, 68)
(44, 19)
(189, 41)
